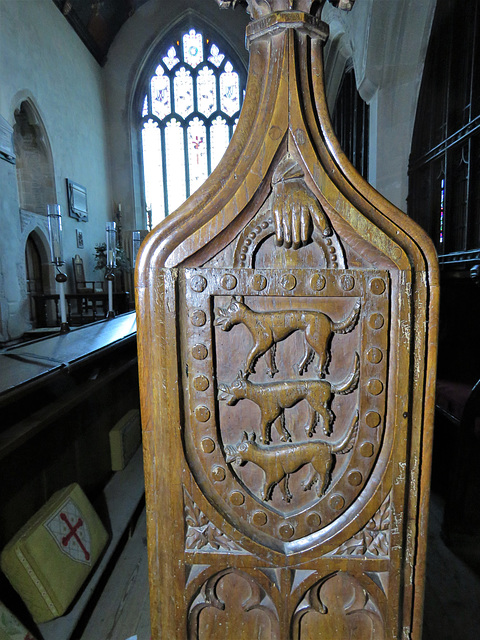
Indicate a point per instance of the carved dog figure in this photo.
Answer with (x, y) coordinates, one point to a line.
(273, 398)
(278, 462)
(269, 327)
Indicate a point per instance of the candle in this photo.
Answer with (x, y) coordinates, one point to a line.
(54, 216)
(111, 241)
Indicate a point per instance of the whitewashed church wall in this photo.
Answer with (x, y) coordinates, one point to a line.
(12, 307)
(44, 61)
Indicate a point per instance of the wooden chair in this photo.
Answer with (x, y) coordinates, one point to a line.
(86, 306)
(82, 285)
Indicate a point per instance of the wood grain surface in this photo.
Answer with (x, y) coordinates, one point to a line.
(287, 324)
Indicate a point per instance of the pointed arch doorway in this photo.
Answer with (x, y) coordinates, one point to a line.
(36, 285)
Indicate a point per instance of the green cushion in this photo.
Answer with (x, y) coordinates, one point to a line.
(10, 627)
(48, 560)
(125, 438)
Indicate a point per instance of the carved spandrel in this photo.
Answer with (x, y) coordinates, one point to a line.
(201, 534)
(373, 540)
(358, 302)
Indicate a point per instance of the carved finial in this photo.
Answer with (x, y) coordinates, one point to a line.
(260, 8)
(345, 5)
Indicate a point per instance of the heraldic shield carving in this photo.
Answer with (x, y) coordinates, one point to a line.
(287, 325)
(285, 420)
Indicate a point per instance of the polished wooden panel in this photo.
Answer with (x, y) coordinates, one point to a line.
(287, 340)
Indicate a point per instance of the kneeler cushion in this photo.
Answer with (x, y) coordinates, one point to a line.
(10, 627)
(125, 438)
(49, 558)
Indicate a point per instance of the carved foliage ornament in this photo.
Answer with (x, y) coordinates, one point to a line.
(373, 540)
(201, 535)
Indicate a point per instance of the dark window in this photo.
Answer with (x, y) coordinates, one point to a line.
(444, 173)
(350, 123)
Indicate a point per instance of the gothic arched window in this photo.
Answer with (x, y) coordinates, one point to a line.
(189, 108)
(350, 119)
(444, 172)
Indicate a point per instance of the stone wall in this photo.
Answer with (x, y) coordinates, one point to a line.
(387, 42)
(43, 62)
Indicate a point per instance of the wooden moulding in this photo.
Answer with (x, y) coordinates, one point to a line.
(287, 329)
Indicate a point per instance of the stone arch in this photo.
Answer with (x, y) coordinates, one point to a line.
(34, 261)
(35, 227)
(34, 160)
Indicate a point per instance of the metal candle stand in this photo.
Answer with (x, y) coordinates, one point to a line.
(54, 215)
(111, 244)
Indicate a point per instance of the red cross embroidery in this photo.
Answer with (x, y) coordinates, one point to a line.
(73, 534)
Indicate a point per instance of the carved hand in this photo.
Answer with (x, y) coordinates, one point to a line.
(295, 208)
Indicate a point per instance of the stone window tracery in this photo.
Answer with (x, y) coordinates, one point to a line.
(188, 111)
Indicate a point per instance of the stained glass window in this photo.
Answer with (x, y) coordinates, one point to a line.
(193, 48)
(188, 109)
(153, 173)
(229, 90)
(160, 86)
(183, 87)
(206, 91)
(215, 56)
(175, 152)
(197, 153)
(170, 60)
(219, 138)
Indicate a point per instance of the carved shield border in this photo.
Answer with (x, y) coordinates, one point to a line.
(204, 449)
